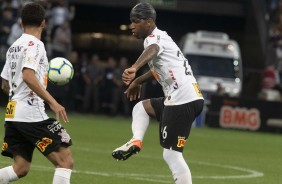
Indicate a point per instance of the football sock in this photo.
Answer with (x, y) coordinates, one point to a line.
(179, 168)
(62, 176)
(7, 174)
(140, 121)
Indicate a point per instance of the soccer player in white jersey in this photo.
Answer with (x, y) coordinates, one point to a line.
(183, 100)
(27, 126)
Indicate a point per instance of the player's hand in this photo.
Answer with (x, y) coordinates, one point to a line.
(134, 91)
(60, 112)
(128, 75)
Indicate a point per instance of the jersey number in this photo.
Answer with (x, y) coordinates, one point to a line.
(164, 133)
(185, 63)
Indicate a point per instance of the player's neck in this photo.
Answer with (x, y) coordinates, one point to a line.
(34, 31)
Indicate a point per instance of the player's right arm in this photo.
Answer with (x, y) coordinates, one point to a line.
(33, 83)
(148, 54)
(5, 86)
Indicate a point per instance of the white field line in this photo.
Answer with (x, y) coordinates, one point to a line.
(160, 178)
(249, 173)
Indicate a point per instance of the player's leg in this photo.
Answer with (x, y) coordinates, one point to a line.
(19, 169)
(62, 160)
(54, 144)
(179, 168)
(17, 147)
(141, 114)
(52, 140)
(174, 131)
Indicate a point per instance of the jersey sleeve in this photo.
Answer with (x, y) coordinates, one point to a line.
(4, 73)
(154, 39)
(31, 56)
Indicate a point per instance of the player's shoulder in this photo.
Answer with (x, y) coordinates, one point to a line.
(160, 32)
(30, 41)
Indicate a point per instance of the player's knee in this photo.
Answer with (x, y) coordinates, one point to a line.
(171, 156)
(21, 170)
(137, 107)
(66, 162)
(62, 158)
(144, 106)
(166, 155)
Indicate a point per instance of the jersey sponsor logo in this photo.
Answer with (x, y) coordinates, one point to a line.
(13, 65)
(10, 109)
(15, 49)
(151, 35)
(4, 146)
(30, 43)
(42, 145)
(65, 136)
(197, 89)
(56, 126)
(181, 142)
(240, 118)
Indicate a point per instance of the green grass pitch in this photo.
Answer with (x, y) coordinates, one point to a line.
(215, 156)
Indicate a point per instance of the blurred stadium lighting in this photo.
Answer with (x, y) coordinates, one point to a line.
(97, 35)
(123, 27)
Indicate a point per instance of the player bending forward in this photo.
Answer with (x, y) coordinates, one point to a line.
(183, 100)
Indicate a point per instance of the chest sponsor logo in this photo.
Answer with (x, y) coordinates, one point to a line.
(43, 144)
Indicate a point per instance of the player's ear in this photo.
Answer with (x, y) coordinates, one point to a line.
(43, 24)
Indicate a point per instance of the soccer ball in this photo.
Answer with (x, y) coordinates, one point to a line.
(60, 71)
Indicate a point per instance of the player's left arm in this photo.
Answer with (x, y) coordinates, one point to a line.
(147, 55)
(5, 86)
(133, 92)
(33, 83)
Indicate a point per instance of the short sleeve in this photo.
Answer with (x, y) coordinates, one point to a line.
(154, 39)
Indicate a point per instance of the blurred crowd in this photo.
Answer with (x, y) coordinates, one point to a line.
(96, 86)
(271, 88)
(56, 36)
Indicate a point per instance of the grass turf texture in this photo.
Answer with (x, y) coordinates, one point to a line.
(215, 156)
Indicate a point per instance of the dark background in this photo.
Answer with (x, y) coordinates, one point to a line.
(243, 20)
